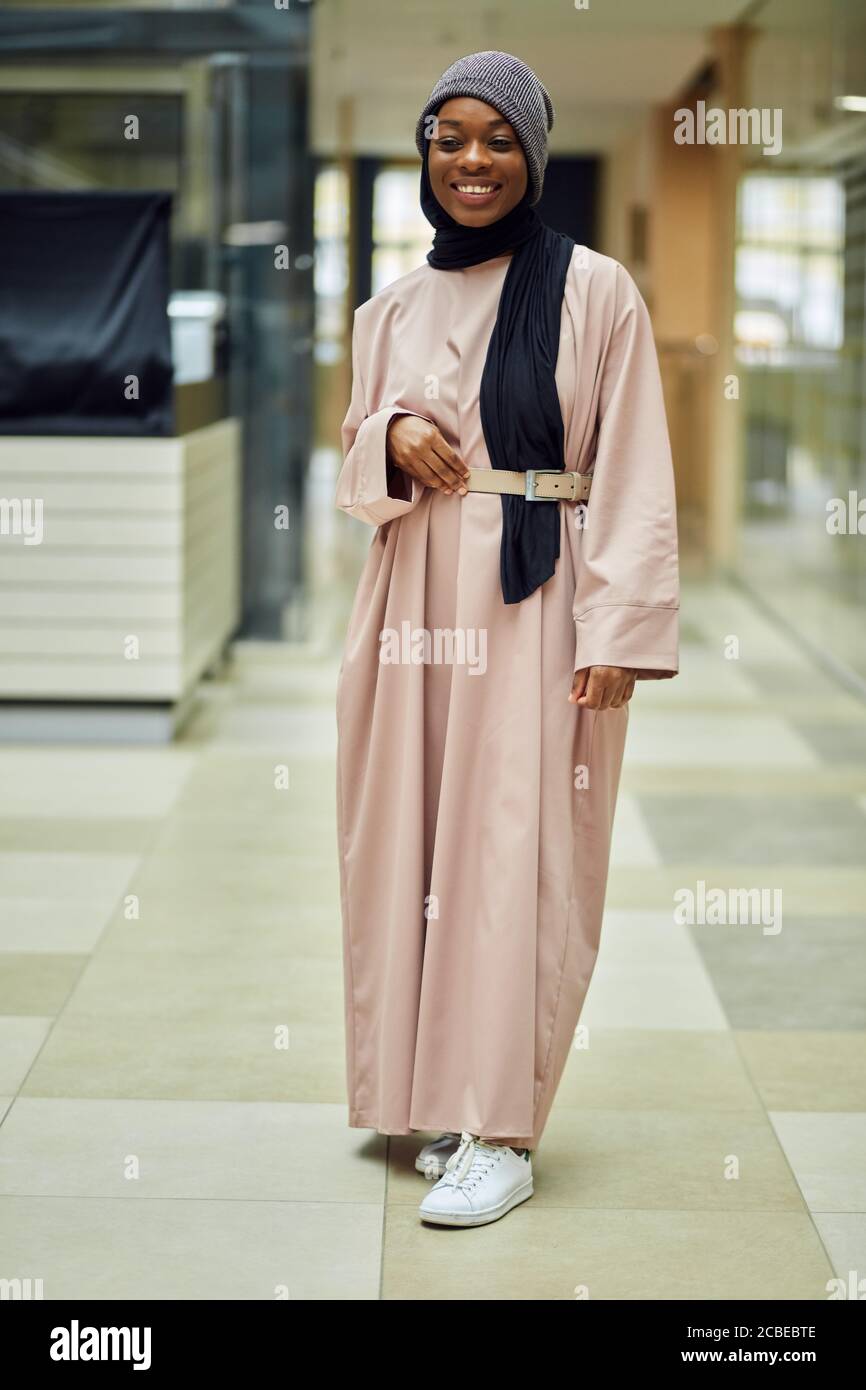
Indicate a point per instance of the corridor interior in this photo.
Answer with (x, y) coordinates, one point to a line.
(172, 1059)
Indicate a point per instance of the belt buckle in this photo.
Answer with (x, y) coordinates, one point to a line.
(531, 475)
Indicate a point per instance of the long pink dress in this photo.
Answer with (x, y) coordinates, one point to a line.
(475, 803)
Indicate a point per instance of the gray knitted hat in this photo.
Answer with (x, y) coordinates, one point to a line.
(507, 84)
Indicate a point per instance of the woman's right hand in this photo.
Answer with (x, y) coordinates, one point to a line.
(416, 447)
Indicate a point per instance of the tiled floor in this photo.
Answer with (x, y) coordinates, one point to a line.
(171, 1038)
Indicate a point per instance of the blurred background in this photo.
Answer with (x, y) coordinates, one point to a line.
(193, 200)
(283, 133)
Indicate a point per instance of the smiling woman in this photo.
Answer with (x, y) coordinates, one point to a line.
(473, 860)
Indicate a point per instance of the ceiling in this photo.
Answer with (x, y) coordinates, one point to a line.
(602, 66)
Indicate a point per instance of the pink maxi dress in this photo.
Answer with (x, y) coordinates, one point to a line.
(474, 803)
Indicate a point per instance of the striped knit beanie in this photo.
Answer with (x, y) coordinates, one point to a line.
(507, 84)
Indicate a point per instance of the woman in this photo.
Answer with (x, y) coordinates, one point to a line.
(494, 644)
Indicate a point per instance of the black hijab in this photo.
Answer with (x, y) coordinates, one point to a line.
(520, 412)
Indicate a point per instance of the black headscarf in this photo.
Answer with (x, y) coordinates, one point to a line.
(520, 412)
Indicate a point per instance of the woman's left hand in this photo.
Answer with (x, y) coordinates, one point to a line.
(602, 687)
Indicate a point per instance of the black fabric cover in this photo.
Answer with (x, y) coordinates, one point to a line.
(520, 412)
(84, 283)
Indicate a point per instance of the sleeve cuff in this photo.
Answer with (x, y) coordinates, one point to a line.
(635, 636)
(369, 499)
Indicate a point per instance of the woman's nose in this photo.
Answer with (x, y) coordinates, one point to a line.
(475, 162)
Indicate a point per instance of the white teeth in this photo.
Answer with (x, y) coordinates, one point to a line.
(475, 188)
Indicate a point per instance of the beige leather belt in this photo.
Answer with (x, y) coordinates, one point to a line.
(535, 484)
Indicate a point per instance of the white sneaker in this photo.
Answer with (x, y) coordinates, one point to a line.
(432, 1158)
(481, 1183)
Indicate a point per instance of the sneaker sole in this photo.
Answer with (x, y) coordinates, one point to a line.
(480, 1218)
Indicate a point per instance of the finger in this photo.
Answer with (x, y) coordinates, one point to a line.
(594, 690)
(439, 472)
(619, 691)
(419, 469)
(630, 679)
(450, 456)
(456, 475)
(440, 475)
(606, 694)
(578, 685)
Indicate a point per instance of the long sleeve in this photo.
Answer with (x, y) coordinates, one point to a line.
(626, 604)
(368, 487)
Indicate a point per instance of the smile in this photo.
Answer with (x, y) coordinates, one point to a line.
(475, 193)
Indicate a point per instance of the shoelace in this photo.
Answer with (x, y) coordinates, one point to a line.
(468, 1164)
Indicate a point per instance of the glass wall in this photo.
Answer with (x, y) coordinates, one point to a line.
(799, 330)
(219, 100)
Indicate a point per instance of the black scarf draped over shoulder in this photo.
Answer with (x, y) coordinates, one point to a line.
(520, 412)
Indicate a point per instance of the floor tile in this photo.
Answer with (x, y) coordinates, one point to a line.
(844, 1238)
(46, 925)
(716, 740)
(20, 1041)
(548, 1253)
(632, 842)
(666, 1069)
(98, 782)
(808, 976)
(37, 983)
(126, 835)
(95, 878)
(827, 1153)
(756, 830)
(187, 1149)
(806, 1070)
(111, 1248)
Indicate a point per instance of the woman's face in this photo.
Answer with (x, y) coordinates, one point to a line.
(475, 162)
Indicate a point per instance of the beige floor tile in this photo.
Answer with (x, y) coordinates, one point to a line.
(100, 782)
(308, 848)
(286, 729)
(49, 925)
(813, 892)
(67, 835)
(827, 1153)
(109, 1248)
(632, 1069)
(844, 1237)
(807, 1071)
(830, 780)
(705, 675)
(652, 997)
(241, 783)
(545, 1253)
(37, 984)
(199, 1057)
(152, 989)
(632, 843)
(756, 740)
(647, 938)
(187, 1149)
(649, 974)
(91, 878)
(20, 1041)
(215, 927)
(207, 883)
